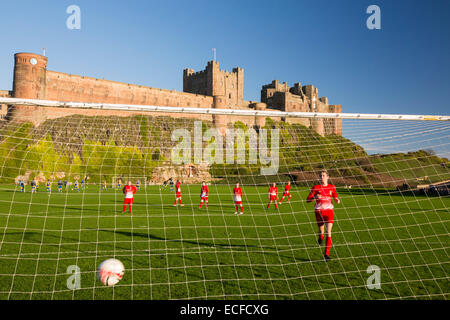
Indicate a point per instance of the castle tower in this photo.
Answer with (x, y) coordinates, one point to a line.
(29, 83)
(29, 76)
(215, 82)
(312, 94)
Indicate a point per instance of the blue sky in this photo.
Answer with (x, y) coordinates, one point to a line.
(402, 68)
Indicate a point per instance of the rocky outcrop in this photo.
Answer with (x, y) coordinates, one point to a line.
(187, 174)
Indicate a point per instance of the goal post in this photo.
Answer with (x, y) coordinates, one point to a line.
(231, 112)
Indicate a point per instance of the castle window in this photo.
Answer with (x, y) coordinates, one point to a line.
(230, 95)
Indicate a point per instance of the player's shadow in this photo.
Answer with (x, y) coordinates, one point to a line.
(379, 192)
(198, 243)
(73, 208)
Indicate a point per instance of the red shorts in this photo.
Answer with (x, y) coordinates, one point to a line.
(178, 195)
(238, 202)
(324, 216)
(204, 198)
(286, 194)
(273, 198)
(128, 201)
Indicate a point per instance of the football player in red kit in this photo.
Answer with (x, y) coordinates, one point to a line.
(204, 192)
(178, 193)
(129, 190)
(273, 195)
(324, 193)
(237, 191)
(286, 192)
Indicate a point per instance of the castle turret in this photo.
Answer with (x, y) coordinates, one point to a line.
(239, 85)
(29, 76)
(336, 124)
(259, 106)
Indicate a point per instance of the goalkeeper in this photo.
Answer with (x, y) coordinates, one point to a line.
(129, 190)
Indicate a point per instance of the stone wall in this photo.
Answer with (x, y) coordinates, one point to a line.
(64, 87)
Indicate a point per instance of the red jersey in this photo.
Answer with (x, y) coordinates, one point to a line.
(129, 191)
(178, 188)
(237, 194)
(327, 193)
(205, 191)
(273, 191)
(287, 188)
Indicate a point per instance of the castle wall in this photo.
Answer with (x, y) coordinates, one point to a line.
(33, 81)
(296, 103)
(65, 87)
(210, 88)
(37, 115)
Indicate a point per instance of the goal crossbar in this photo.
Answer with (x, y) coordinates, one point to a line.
(214, 111)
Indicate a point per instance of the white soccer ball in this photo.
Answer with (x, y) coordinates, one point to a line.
(110, 272)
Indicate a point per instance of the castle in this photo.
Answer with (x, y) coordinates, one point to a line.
(210, 88)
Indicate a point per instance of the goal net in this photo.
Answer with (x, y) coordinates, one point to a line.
(62, 203)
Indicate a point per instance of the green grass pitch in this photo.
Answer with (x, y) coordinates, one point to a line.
(186, 253)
